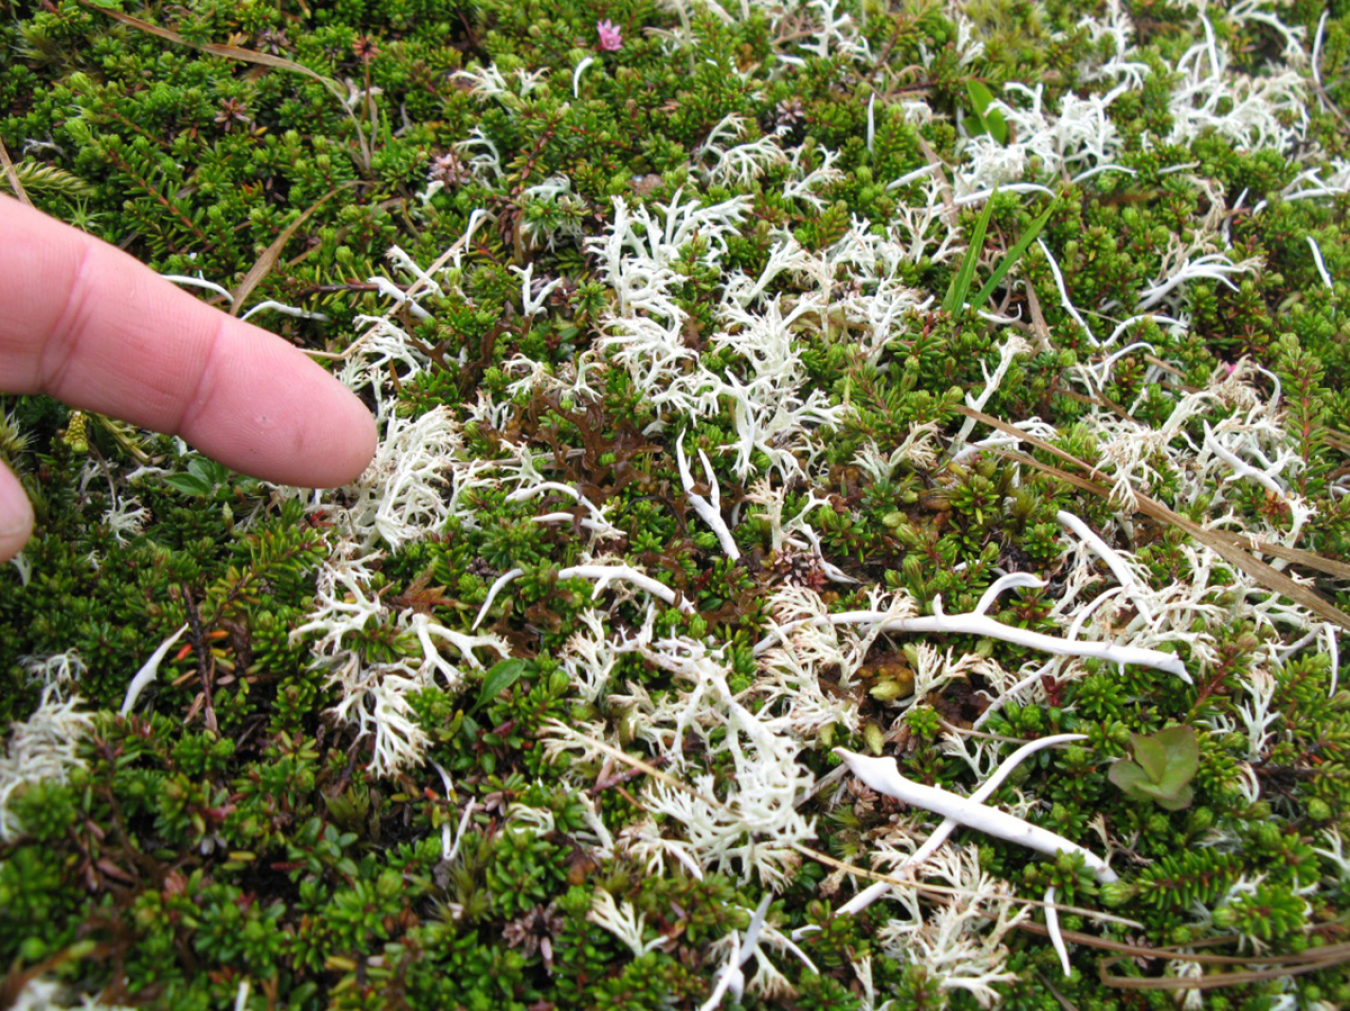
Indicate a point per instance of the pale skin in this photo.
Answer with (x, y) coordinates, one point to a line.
(84, 322)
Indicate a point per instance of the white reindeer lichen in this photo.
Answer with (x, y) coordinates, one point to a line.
(44, 747)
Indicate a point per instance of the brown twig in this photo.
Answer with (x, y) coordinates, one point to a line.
(200, 646)
(12, 174)
(1311, 960)
(269, 258)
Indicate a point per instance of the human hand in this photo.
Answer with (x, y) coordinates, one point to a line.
(84, 322)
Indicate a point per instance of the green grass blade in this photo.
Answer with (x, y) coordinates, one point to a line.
(960, 286)
(1013, 255)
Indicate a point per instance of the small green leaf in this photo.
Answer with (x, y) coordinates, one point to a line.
(500, 676)
(1144, 790)
(980, 96)
(990, 119)
(1183, 749)
(1176, 802)
(997, 126)
(1183, 756)
(209, 471)
(188, 484)
(1163, 767)
(1151, 756)
(1128, 776)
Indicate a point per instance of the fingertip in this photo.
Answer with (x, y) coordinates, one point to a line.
(263, 408)
(16, 515)
(335, 436)
(360, 439)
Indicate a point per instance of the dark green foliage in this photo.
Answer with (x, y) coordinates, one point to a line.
(230, 829)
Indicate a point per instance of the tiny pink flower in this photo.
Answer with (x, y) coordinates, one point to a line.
(610, 39)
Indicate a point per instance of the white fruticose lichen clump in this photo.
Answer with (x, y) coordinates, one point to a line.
(745, 823)
(44, 747)
(374, 695)
(960, 943)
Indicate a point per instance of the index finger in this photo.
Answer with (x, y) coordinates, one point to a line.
(88, 324)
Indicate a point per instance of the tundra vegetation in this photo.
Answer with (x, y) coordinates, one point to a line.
(861, 521)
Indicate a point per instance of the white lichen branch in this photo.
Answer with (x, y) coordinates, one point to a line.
(1119, 567)
(42, 749)
(986, 627)
(883, 776)
(623, 921)
(148, 671)
(604, 574)
(493, 590)
(1056, 937)
(709, 511)
(949, 825)
(731, 977)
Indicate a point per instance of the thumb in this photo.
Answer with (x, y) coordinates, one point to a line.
(16, 515)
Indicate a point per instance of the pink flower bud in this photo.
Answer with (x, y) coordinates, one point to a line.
(610, 38)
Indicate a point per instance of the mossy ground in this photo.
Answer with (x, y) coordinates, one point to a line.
(269, 826)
